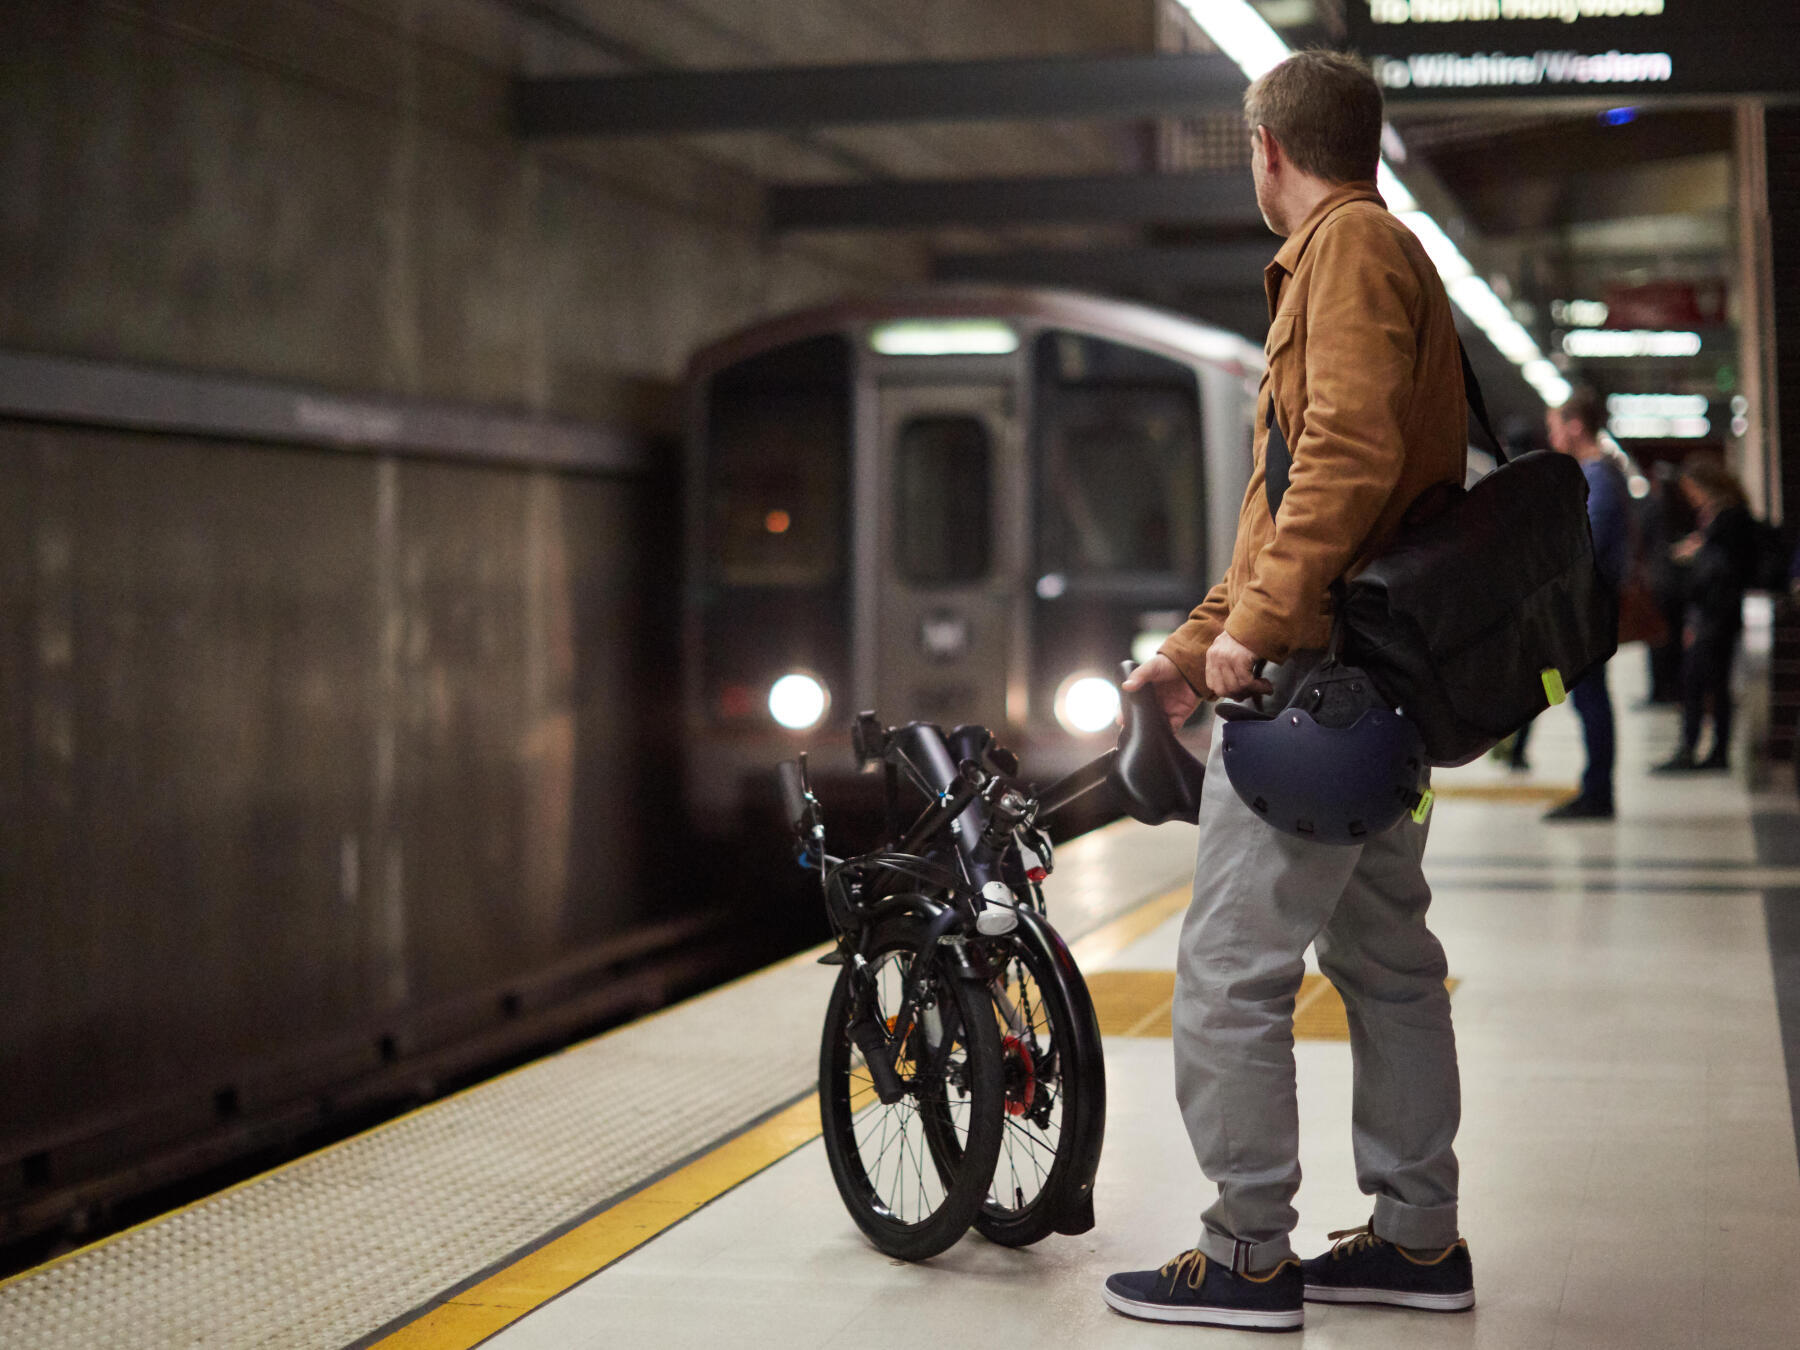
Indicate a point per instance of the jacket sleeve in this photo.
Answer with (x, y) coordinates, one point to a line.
(1187, 645)
(1360, 351)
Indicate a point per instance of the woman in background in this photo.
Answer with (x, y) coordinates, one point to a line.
(1721, 557)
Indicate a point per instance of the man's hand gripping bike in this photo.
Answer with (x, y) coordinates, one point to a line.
(960, 1075)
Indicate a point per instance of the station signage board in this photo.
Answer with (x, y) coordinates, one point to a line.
(1616, 50)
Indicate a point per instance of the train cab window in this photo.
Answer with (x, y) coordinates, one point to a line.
(1119, 453)
(941, 520)
(777, 450)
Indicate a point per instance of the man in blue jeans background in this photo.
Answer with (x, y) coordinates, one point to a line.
(1574, 430)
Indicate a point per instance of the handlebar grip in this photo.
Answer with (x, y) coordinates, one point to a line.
(793, 794)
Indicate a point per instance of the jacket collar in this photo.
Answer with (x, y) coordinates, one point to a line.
(1287, 258)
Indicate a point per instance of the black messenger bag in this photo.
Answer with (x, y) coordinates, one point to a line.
(1479, 617)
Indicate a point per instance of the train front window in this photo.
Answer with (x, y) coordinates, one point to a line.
(941, 467)
(1119, 447)
(777, 451)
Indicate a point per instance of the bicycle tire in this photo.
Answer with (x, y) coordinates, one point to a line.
(1055, 1084)
(878, 1152)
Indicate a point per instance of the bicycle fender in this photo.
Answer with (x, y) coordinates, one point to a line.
(1087, 1111)
(938, 916)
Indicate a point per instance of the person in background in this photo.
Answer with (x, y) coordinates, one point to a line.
(1665, 518)
(1721, 558)
(1575, 430)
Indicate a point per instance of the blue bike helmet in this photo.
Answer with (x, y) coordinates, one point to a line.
(1335, 766)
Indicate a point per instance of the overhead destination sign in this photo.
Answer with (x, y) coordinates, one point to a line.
(1634, 49)
(1478, 11)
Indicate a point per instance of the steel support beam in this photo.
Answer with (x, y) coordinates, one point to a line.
(1223, 267)
(793, 97)
(1222, 199)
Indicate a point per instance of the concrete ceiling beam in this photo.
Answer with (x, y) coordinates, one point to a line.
(1219, 199)
(1233, 267)
(791, 97)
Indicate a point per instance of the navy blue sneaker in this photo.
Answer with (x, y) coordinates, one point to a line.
(1362, 1268)
(1191, 1288)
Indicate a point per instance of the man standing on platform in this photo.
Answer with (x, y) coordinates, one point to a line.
(1364, 380)
(1575, 430)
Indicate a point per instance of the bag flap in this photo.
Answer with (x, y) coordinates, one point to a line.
(1458, 574)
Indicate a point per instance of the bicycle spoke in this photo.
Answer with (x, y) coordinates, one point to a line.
(1040, 1148)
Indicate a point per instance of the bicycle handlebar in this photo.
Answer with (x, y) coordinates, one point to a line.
(1155, 777)
(793, 793)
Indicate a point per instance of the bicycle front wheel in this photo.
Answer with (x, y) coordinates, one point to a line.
(1055, 1083)
(913, 1171)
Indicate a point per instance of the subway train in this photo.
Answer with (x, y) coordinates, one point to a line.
(951, 505)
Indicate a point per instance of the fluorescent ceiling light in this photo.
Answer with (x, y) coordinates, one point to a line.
(944, 337)
(1241, 33)
(1579, 313)
(1476, 298)
(1548, 381)
(1656, 405)
(1393, 191)
(1659, 428)
(1451, 264)
(1602, 342)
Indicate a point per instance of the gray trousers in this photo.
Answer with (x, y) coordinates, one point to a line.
(1260, 897)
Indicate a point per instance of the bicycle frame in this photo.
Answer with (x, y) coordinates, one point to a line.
(984, 814)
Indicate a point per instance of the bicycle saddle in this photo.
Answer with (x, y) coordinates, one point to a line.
(1154, 775)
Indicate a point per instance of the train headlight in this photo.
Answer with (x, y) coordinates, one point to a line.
(798, 701)
(1086, 704)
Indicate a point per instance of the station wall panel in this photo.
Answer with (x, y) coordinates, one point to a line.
(303, 756)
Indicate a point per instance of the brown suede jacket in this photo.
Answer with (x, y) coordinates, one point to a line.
(1364, 371)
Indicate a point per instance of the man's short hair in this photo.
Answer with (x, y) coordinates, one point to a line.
(1583, 405)
(1325, 109)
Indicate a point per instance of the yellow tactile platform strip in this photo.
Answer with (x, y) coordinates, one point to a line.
(369, 1233)
(328, 1248)
(1138, 1003)
(500, 1300)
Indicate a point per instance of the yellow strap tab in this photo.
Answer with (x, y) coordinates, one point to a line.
(1423, 809)
(1553, 684)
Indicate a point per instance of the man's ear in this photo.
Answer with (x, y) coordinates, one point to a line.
(1273, 154)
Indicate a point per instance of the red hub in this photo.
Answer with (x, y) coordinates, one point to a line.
(1021, 1076)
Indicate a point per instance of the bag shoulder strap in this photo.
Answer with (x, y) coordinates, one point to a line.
(1278, 461)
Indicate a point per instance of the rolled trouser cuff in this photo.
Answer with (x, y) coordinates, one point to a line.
(1255, 1258)
(1410, 1226)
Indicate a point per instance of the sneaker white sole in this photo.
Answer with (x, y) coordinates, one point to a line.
(1395, 1298)
(1247, 1319)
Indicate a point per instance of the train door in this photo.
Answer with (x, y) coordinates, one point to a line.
(951, 513)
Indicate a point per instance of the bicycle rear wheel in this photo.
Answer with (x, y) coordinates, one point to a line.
(912, 1172)
(1055, 1082)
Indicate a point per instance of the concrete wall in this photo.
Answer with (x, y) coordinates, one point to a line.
(327, 191)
